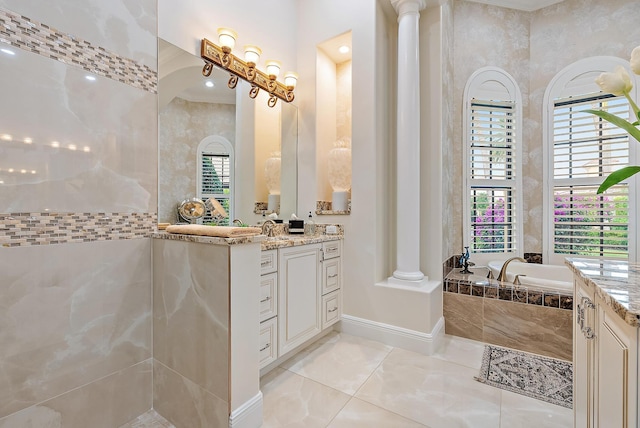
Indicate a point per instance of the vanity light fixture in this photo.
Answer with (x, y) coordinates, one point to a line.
(222, 56)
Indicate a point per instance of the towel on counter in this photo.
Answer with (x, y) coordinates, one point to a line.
(218, 231)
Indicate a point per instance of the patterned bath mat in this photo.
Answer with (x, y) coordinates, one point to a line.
(535, 376)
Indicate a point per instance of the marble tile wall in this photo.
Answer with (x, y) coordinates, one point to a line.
(191, 332)
(78, 164)
(65, 325)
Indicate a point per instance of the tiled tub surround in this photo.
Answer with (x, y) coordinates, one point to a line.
(24, 229)
(616, 282)
(518, 317)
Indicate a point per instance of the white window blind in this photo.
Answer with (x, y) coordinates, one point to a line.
(585, 150)
(492, 176)
(215, 182)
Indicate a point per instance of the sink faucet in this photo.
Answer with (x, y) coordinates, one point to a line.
(502, 276)
(270, 231)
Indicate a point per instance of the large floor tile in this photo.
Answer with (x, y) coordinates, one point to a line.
(341, 361)
(291, 400)
(431, 391)
(461, 351)
(360, 414)
(524, 412)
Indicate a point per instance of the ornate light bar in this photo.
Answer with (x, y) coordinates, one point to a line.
(221, 56)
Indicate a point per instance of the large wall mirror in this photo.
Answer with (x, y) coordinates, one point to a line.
(218, 142)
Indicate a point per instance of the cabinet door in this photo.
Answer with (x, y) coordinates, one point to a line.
(583, 361)
(299, 295)
(616, 406)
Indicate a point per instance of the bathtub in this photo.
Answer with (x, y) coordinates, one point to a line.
(547, 277)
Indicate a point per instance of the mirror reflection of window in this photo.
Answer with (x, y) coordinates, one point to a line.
(216, 176)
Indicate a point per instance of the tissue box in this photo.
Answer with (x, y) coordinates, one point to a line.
(296, 227)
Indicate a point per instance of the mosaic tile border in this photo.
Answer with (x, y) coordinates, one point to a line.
(25, 229)
(34, 36)
(457, 283)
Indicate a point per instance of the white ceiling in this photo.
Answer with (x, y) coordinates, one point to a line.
(526, 5)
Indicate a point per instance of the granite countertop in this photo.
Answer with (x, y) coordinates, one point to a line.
(616, 282)
(266, 243)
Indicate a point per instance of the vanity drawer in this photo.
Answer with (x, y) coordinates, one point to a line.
(268, 341)
(330, 275)
(331, 309)
(331, 249)
(268, 296)
(268, 261)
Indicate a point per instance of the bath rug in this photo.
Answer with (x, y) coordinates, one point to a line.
(535, 376)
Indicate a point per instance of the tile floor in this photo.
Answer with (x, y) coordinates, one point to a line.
(344, 381)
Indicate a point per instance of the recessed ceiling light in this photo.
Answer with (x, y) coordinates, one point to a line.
(55, 144)
(7, 51)
(10, 170)
(6, 137)
(90, 78)
(23, 171)
(87, 149)
(28, 140)
(209, 84)
(72, 146)
(344, 49)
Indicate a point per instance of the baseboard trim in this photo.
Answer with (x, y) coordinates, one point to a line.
(249, 414)
(416, 341)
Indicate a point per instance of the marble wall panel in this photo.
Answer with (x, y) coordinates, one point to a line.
(191, 312)
(463, 315)
(68, 144)
(183, 125)
(106, 403)
(71, 314)
(537, 329)
(126, 27)
(184, 403)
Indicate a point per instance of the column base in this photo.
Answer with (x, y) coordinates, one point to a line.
(408, 276)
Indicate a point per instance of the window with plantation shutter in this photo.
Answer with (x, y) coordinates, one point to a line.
(586, 149)
(580, 151)
(215, 176)
(493, 180)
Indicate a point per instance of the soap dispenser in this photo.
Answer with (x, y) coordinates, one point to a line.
(310, 228)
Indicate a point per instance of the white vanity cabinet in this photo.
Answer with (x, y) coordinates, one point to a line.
(298, 295)
(605, 364)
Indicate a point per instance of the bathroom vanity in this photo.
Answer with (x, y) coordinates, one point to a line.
(605, 361)
(225, 308)
(300, 293)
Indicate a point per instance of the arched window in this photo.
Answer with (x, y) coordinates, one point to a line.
(492, 163)
(580, 150)
(216, 174)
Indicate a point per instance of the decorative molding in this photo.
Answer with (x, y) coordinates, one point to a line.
(249, 414)
(25, 229)
(33, 36)
(416, 341)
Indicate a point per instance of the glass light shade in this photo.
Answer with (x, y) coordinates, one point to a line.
(340, 166)
(252, 53)
(273, 68)
(290, 79)
(272, 173)
(227, 37)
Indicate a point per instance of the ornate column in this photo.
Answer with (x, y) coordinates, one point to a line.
(408, 142)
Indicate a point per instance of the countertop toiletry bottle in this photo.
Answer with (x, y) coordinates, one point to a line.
(310, 228)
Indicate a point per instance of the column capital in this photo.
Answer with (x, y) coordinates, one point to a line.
(408, 6)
